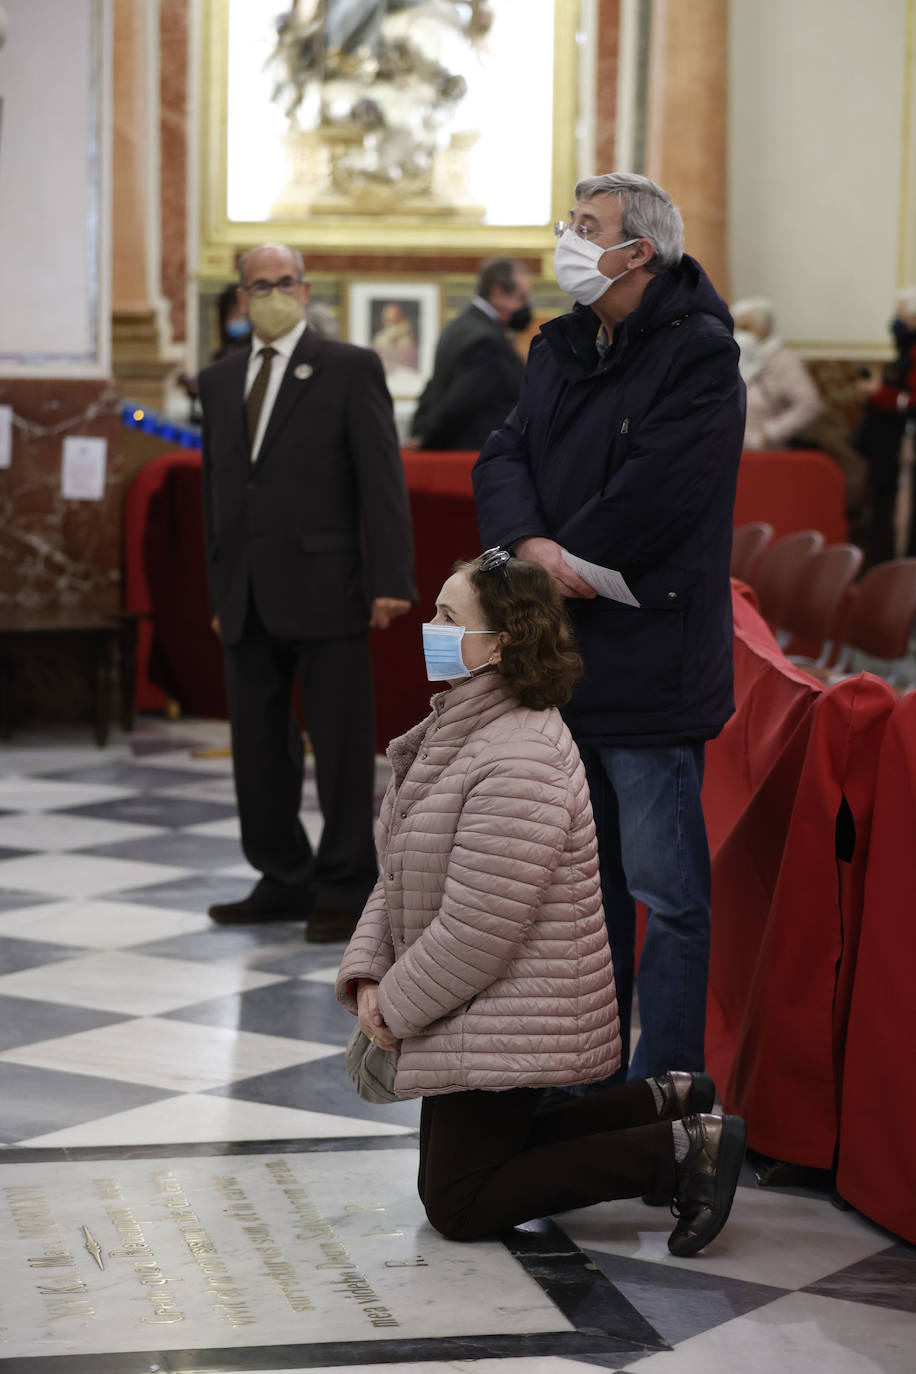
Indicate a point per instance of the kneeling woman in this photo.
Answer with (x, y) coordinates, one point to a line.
(481, 960)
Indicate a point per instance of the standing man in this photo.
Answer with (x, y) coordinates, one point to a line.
(308, 547)
(477, 373)
(624, 450)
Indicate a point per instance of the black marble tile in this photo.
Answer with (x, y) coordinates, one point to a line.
(321, 1086)
(11, 900)
(303, 959)
(296, 1010)
(224, 942)
(36, 1101)
(887, 1279)
(125, 774)
(680, 1303)
(153, 809)
(23, 1021)
(203, 852)
(20, 954)
(195, 893)
(34, 1154)
(12, 853)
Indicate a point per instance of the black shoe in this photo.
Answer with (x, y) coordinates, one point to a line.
(326, 925)
(700, 1099)
(261, 905)
(706, 1181)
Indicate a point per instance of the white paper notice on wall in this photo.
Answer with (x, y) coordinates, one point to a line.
(83, 469)
(6, 436)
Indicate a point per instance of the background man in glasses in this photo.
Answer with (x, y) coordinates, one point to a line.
(624, 450)
(308, 545)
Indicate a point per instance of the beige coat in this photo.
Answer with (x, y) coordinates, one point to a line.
(485, 930)
(782, 401)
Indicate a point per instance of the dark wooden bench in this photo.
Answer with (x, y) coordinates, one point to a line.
(107, 636)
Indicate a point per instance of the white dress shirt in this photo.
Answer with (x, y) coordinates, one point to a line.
(284, 345)
(486, 307)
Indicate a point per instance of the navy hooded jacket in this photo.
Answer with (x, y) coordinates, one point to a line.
(630, 460)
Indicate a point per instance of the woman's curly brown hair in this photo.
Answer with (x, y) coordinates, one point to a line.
(540, 662)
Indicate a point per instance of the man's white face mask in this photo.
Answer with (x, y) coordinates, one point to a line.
(575, 265)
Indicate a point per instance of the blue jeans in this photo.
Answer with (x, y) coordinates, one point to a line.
(652, 847)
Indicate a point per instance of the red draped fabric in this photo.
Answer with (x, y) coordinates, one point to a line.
(877, 1160)
(788, 798)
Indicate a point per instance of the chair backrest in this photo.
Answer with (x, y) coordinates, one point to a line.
(779, 571)
(884, 610)
(748, 543)
(813, 611)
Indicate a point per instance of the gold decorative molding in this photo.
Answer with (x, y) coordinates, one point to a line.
(221, 238)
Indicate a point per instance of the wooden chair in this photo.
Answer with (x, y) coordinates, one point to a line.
(748, 543)
(779, 571)
(813, 612)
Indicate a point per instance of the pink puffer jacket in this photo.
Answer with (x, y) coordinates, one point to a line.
(485, 930)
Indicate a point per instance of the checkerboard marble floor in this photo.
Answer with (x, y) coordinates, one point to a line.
(130, 1024)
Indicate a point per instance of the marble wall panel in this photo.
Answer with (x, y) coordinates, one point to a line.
(606, 79)
(57, 553)
(175, 128)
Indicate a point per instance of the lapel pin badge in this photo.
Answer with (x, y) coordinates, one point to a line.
(303, 372)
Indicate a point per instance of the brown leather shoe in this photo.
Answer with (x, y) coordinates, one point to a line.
(260, 906)
(326, 925)
(684, 1094)
(706, 1180)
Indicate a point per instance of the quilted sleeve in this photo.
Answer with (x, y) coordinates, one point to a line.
(511, 832)
(370, 952)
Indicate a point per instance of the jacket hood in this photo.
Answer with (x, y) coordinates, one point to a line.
(680, 291)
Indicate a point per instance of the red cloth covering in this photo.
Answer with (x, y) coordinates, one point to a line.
(788, 864)
(877, 1159)
(147, 696)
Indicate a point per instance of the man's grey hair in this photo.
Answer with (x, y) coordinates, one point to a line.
(294, 253)
(648, 213)
(760, 310)
(906, 299)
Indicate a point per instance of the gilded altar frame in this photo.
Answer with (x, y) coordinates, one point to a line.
(220, 238)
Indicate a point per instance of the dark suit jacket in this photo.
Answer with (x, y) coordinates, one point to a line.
(475, 383)
(320, 524)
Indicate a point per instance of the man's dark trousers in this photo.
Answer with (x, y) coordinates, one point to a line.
(335, 694)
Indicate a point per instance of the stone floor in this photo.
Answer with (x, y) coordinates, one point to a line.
(174, 1099)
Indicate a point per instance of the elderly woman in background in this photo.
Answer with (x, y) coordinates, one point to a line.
(481, 960)
(782, 400)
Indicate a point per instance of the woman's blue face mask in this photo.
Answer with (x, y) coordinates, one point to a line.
(239, 328)
(442, 651)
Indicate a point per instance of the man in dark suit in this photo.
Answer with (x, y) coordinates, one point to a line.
(308, 547)
(477, 373)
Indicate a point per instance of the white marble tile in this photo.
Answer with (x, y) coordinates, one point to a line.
(169, 1054)
(307, 1248)
(81, 875)
(229, 828)
(214, 789)
(799, 1334)
(40, 794)
(188, 759)
(41, 830)
(193, 1119)
(100, 924)
(135, 984)
(771, 1238)
(321, 975)
(240, 870)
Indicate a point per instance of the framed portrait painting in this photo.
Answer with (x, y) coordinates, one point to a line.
(400, 320)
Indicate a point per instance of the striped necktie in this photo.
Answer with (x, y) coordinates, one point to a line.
(255, 398)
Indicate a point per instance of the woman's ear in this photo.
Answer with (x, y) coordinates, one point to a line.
(501, 639)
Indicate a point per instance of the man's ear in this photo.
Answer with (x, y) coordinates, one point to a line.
(643, 252)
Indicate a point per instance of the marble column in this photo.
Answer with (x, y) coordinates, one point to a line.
(687, 122)
(608, 41)
(143, 355)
